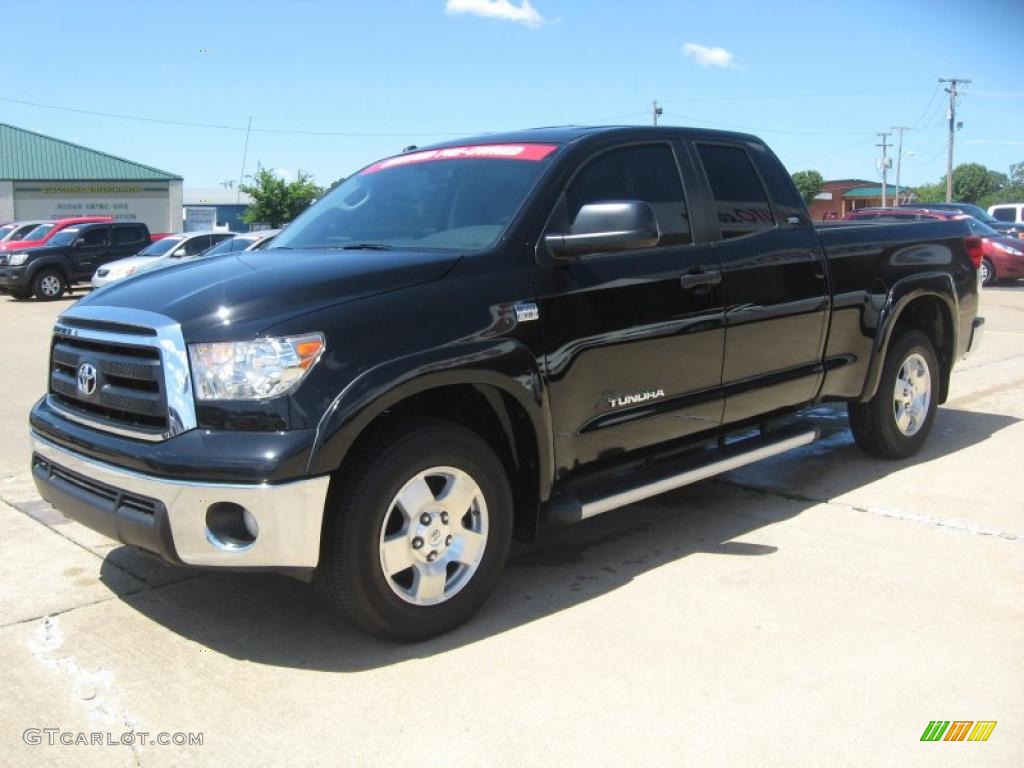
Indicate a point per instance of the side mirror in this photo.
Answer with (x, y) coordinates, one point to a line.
(604, 227)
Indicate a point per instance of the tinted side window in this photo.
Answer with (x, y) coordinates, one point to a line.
(646, 173)
(95, 237)
(127, 235)
(197, 245)
(1003, 214)
(740, 198)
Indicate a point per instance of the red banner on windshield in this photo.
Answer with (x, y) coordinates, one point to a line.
(529, 152)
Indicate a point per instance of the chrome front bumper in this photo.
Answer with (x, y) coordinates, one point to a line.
(288, 515)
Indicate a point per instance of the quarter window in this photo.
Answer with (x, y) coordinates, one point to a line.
(740, 199)
(645, 173)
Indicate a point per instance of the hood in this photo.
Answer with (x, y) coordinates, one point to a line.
(18, 245)
(132, 261)
(237, 296)
(1008, 242)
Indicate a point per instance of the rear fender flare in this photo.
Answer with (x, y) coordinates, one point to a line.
(900, 296)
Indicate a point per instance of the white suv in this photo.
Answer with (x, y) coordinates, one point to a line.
(1011, 213)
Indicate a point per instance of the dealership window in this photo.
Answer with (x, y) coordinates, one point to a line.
(740, 198)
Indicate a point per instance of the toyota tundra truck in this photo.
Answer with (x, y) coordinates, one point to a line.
(460, 344)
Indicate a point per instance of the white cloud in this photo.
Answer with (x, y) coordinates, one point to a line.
(522, 13)
(710, 56)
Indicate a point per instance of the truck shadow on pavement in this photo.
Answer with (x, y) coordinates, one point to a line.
(270, 619)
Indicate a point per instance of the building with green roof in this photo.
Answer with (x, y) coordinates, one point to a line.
(42, 177)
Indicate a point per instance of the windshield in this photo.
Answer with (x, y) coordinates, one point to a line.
(979, 229)
(39, 232)
(64, 237)
(160, 247)
(460, 198)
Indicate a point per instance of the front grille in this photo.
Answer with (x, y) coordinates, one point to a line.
(126, 390)
(114, 497)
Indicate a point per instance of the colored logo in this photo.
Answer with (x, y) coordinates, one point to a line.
(958, 730)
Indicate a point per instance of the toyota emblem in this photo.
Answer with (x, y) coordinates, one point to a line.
(86, 378)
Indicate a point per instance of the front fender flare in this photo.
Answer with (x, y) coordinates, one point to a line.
(504, 364)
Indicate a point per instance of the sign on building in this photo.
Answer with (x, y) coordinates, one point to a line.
(200, 218)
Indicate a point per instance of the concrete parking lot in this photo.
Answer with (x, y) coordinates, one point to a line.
(817, 609)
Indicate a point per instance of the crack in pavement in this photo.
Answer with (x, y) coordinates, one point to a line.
(953, 525)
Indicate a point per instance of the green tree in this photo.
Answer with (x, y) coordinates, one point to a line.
(276, 201)
(972, 183)
(930, 193)
(808, 183)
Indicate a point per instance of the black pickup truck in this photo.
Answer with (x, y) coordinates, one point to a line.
(461, 343)
(71, 256)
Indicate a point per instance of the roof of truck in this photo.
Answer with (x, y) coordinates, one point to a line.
(566, 134)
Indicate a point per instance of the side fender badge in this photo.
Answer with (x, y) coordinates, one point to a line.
(527, 311)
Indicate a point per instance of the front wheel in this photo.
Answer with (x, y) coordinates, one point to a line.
(895, 423)
(49, 284)
(417, 533)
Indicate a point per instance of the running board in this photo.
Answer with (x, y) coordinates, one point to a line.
(644, 484)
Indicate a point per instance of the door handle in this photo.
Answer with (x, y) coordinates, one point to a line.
(699, 278)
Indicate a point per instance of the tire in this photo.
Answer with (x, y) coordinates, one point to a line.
(988, 272)
(895, 423)
(437, 591)
(49, 285)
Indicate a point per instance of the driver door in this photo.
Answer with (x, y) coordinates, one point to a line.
(89, 251)
(634, 344)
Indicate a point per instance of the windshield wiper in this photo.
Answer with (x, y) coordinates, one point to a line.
(367, 247)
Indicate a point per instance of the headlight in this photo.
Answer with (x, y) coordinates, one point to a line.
(253, 370)
(17, 259)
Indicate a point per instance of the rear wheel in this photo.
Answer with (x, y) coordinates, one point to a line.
(49, 284)
(418, 532)
(988, 272)
(895, 423)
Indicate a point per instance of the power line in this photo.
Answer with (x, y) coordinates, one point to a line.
(766, 130)
(928, 106)
(771, 97)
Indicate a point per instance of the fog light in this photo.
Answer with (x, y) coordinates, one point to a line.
(231, 526)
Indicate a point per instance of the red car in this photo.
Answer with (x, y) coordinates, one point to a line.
(42, 234)
(1002, 256)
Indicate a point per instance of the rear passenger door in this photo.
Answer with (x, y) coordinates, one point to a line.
(633, 355)
(775, 287)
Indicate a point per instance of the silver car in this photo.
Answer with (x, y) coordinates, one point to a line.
(247, 241)
(166, 250)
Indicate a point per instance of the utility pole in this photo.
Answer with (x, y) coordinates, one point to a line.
(951, 114)
(899, 157)
(656, 112)
(245, 154)
(885, 166)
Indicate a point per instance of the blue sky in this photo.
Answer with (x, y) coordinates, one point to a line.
(815, 80)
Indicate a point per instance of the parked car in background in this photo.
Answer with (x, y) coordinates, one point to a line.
(247, 241)
(1008, 213)
(1002, 256)
(16, 230)
(69, 257)
(177, 246)
(42, 234)
(979, 213)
